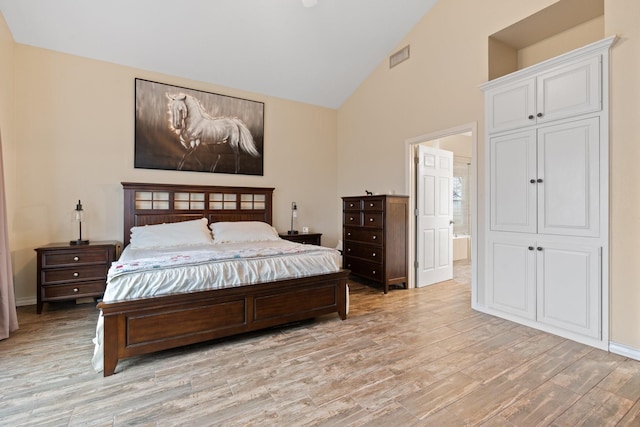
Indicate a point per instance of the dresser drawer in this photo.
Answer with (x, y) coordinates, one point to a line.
(352, 205)
(65, 258)
(373, 220)
(74, 290)
(365, 236)
(373, 204)
(90, 272)
(369, 253)
(362, 268)
(352, 218)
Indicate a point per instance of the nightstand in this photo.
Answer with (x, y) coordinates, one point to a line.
(68, 272)
(304, 238)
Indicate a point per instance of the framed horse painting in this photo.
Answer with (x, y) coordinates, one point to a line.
(191, 130)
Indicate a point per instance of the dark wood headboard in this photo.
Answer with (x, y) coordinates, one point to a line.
(146, 204)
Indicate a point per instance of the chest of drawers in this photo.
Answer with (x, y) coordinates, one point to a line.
(73, 271)
(375, 234)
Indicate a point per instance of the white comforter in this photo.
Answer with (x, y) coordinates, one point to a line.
(144, 273)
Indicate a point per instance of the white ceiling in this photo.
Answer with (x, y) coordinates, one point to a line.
(317, 55)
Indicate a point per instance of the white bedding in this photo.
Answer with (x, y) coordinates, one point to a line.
(208, 267)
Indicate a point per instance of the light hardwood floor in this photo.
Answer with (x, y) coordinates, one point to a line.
(409, 358)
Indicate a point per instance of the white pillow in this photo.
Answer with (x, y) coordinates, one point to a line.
(183, 233)
(243, 231)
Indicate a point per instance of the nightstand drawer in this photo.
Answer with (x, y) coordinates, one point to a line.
(64, 258)
(74, 290)
(90, 272)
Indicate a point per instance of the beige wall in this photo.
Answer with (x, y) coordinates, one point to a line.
(73, 139)
(437, 89)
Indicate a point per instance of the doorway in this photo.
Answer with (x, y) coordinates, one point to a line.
(462, 141)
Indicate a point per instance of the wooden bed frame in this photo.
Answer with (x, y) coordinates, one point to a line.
(141, 326)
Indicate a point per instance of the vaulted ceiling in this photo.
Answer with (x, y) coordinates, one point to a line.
(317, 55)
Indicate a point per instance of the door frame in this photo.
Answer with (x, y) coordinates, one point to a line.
(410, 189)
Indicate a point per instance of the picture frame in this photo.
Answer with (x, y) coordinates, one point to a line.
(178, 128)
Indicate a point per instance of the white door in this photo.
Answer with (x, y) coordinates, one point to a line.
(434, 202)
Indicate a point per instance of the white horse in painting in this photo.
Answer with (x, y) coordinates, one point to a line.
(196, 127)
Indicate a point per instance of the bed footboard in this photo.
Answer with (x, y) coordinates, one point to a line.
(143, 326)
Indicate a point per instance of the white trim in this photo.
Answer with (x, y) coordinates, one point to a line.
(623, 350)
(21, 302)
(410, 190)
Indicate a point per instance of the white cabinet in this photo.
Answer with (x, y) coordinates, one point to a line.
(565, 91)
(547, 227)
(546, 180)
(554, 283)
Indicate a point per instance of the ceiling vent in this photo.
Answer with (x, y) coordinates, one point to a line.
(398, 57)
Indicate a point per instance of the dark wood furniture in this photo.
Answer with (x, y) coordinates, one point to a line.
(141, 326)
(304, 238)
(375, 235)
(67, 272)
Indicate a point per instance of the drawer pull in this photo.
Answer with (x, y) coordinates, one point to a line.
(373, 272)
(75, 258)
(373, 254)
(348, 234)
(374, 237)
(350, 205)
(349, 250)
(370, 219)
(76, 274)
(76, 290)
(351, 219)
(371, 204)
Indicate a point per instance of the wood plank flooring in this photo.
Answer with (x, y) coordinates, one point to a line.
(416, 357)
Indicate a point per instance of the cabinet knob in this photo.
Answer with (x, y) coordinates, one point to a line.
(76, 274)
(531, 117)
(531, 248)
(375, 237)
(539, 114)
(373, 254)
(371, 204)
(539, 248)
(76, 290)
(350, 218)
(539, 179)
(373, 272)
(75, 258)
(533, 181)
(349, 250)
(370, 219)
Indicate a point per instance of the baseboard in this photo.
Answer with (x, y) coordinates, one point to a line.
(26, 301)
(623, 350)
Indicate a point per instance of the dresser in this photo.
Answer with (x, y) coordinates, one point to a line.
(67, 272)
(304, 238)
(375, 235)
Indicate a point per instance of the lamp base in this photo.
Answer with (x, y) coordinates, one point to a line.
(292, 232)
(79, 242)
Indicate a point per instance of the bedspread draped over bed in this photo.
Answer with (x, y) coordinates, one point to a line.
(146, 273)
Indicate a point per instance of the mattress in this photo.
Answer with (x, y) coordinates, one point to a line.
(147, 273)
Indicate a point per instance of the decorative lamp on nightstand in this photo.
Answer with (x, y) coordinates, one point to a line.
(294, 215)
(78, 216)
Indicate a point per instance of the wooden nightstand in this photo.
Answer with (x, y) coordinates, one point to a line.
(67, 272)
(304, 238)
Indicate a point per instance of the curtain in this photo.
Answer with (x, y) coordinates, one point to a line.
(8, 315)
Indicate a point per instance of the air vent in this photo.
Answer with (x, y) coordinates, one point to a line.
(399, 56)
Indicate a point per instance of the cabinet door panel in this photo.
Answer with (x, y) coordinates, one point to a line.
(570, 90)
(511, 286)
(568, 287)
(513, 195)
(568, 164)
(512, 106)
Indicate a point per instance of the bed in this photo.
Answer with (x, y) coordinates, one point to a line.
(142, 325)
